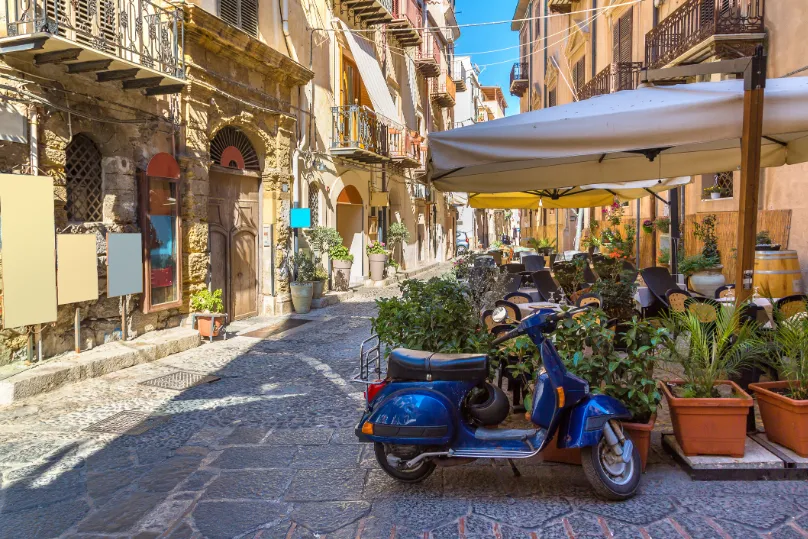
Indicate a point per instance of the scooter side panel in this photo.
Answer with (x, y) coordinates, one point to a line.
(413, 416)
(586, 420)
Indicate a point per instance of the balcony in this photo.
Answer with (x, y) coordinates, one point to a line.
(442, 91)
(405, 147)
(519, 79)
(365, 12)
(459, 77)
(427, 57)
(408, 19)
(700, 29)
(132, 41)
(615, 77)
(561, 6)
(359, 134)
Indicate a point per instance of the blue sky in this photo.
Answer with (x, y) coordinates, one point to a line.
(484, 38)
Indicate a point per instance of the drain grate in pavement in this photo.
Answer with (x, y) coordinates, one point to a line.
(180, 380)
(275, 329)
(128, 422)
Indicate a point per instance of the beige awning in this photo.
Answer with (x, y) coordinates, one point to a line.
(652, 132)
(371, 72)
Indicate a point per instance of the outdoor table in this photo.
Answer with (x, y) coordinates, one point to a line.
(644, 297)
(760, 302)
(532, 292)
(529, 308)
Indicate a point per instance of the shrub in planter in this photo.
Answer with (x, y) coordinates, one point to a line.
(377, 257)
(397, 236)
(663, 224)
(302, 287)
(707, 420)
(784, 405)
(341, 261)
(436, 315)
(617, 293)
(210, 308)
(705, 279)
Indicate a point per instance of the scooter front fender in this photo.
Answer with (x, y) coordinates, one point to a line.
(585, 424)
(412, 417)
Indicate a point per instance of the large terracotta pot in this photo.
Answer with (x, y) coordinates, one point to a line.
(708, 281)
(640, 434)
(342, 274)
(709, 426)
(209, 325)
(317, 289)
(377, 263)
(302, 294)
(785, 419)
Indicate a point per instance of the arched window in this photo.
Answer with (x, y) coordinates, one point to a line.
(314, 203)
(85, 199)
(231, 148)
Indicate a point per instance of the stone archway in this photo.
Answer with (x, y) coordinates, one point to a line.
(351, 226)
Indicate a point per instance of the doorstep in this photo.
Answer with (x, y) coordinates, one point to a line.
(761, 461)
(331, 298)
(104, 359)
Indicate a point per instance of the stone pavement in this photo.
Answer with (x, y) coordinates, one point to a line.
(268, 451)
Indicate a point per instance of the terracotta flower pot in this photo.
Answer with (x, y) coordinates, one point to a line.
(785, 419)
(377, 263)
(552, 453)
(209, 325)
(709, 426)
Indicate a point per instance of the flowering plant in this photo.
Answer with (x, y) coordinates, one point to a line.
(376, 248)
(648, 226)
(615, 213)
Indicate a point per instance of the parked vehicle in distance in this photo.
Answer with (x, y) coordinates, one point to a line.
(462, 244)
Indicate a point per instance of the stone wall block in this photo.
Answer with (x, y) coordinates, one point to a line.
(120, 207)
(195, 268)
(118, 165)
(195, 239)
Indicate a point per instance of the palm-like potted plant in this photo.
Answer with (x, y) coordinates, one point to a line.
(708, 411)
(377, 257)
(209, 312)
(784, 405)
(302, 287)
(341, 261)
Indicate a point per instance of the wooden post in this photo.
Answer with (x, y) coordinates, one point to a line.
(754, 84)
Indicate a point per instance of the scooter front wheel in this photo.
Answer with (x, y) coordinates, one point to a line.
(390, 464)
(610, 476)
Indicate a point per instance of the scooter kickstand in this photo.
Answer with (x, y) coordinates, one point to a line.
(514, 469)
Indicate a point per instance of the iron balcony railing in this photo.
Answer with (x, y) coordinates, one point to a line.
(405, 145)
(613, 78)
(429, 49)
(356, 127)
(387, 4)
(419, 190)
(135, 30)
(409, 10)
(443, 89)
(459, 71)
(697, 20)
(519, 71)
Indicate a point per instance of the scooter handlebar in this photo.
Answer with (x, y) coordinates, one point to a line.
(508, 336)
(519, 330)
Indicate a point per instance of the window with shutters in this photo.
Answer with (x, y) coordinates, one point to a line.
(621, 49)
(579, 75)
(85, 201)
(551, 98)
(241, 14)
(537, 16)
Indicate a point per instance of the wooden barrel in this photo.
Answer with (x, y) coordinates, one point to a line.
(777, 273)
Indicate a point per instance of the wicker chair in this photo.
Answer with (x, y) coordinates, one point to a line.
(591, 299)
(705, 310)
(488, 319)
(677, 299)
(791, 305)
(725, 291)
(514, 314)
(518, 298)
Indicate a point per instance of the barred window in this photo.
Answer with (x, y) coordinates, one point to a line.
(241, 14)
(83, 175)
(314, 203)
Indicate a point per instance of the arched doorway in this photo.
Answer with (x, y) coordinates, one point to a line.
(233, 221)
(351, 226)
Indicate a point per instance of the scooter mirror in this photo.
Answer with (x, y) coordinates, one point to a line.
(499, 314)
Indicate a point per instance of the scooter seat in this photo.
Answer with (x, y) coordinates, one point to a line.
(427, 366)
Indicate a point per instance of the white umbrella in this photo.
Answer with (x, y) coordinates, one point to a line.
(647, 133)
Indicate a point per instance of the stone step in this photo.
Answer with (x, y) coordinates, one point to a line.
(110, 357)
(331, 298)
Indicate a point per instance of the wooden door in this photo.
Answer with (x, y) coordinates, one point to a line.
(233, 236)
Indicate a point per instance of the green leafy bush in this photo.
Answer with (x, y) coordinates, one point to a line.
(340, 252)
(305, 266)
(764, 238)
(696, 263)
(664, 257)
(705, 231)
(206, 301)
(397, 233)
(322, 239)
(435, 315)
(663, 224)
(376, 248)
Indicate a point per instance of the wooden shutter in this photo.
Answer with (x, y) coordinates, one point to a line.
(579, 74)
(551, 98)
(228, 11)
(240, 13)
(622, 37)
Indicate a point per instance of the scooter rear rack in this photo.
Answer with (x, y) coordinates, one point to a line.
(370, 362)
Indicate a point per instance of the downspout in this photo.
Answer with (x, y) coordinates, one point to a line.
(546, 91)
(33, 119)
(594, 24)
(301, 139)
(287, 37)
(529, 58)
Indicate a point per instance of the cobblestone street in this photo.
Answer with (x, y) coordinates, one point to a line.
(269, 451)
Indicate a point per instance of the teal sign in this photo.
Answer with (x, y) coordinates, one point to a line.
(300, 218)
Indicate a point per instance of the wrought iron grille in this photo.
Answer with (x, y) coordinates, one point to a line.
(697, 20)
(519, 71)
(85, 200)
(613, 78)
(314, 202)
(134, 30)
(230, 136)
(724, 180)
(429, 49)
(410, 10)
(358, 127)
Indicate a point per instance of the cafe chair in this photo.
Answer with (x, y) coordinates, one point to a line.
(591, 299)
(724, 291)
(533, 262)
(514, 314)
(791, 305)
(546, 285)
(513, 282)
(518, 298)
(677, 299)
(705, 309)
(514, 267)
(488, 319)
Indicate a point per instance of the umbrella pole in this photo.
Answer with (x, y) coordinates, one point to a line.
(750, 175)
(673, 204)
(638, 234)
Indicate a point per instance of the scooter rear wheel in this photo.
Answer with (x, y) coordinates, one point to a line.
(414, 475)
(611, 478)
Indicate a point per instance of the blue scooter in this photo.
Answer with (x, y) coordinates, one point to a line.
(428, 411)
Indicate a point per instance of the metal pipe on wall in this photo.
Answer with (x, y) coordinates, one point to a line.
(33, 139)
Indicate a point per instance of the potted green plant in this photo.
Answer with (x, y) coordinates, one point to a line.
(704, 278)
(764, 242)
(707, 411)
(377, 257)
(543, 246)
(664, 258)
(784, 405)
(714, 192)
(321, 239)
(663, 224)
(397, 237)
(302, 287)
(648, 226)
(341, 261)
(209, 312)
